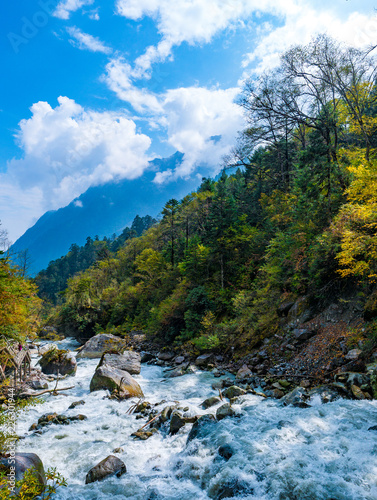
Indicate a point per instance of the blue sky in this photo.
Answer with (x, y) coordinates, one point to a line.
(91, 90)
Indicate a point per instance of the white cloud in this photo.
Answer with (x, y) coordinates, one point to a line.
(198, 21)
(193, 116)
(192, 21)
(94, 15)
(84, 41)
(65, 7)
(354, 28)
(190, 116)
(67, 149)
(119, 77)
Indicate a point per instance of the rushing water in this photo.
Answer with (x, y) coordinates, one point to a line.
(280, 453)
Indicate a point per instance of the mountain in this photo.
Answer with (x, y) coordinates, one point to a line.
(101, 210)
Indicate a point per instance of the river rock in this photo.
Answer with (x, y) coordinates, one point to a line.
(327, 393)
(143, 435)
(224, 411)
(233, 392)
(298, 395)
(225, 451)
(176, 422)
(114, 380)
(165, 356)
(358, 393)
(201, 427)
(203, 360)
(45, 348)
(166, 413)
(212, 401)
(54, 418)
(179, 360)
(181, 370)
(56, 361)
(38, 385)
(231, 488)
(24, 462)
(146, 356)
(110, 466)
(76, 403)
(129, 361)
(244, 372)
(99, 344)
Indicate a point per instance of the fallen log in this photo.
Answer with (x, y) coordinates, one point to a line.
(55, 392)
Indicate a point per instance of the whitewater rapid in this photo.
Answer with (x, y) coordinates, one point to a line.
(279, 453)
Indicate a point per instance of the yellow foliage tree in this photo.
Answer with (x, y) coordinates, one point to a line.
(19, 304)
(356, 223)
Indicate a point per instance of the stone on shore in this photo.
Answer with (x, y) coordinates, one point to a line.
(23, 463)
(244, 372)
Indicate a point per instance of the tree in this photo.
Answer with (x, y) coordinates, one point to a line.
(169, 213)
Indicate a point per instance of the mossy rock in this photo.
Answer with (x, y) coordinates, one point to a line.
(58, 361)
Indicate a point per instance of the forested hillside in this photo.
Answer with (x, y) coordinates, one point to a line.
(297, 218)
(53, 280)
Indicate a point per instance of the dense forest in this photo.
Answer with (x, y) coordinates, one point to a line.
(293, 213)
(296, 215)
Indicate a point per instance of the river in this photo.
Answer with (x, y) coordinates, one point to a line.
(279, 453)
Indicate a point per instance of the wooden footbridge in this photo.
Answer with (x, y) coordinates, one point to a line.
(14, 360)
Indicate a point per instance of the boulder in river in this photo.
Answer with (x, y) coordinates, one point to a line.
(57, 361)
(23, 463)
(327, 393)
(212, 401)
(99, 344)
(110, 466)
(129, 361)
(201, 427)
(45, 348)
(176, 422)
(116, 381)
(225, 451)
(298, 395)
(231, 488)
(146, 356)
(224, 411)
(233, 392)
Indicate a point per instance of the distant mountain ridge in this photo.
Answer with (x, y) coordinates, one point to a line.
(101, 210)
